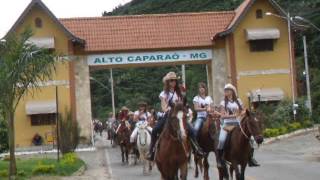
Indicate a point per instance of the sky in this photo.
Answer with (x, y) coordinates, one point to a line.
(12, 9)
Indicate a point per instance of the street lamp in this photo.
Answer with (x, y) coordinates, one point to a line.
(288, 18)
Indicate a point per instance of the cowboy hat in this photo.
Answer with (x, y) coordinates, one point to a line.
(124, 108)
(130, 113)
(230, 86)
(142, 104)
(169, 76)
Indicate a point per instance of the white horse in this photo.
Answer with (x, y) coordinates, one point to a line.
(143, 145)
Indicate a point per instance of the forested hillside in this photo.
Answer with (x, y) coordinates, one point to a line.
(132, 85)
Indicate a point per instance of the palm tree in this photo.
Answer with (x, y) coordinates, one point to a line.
(22, 65)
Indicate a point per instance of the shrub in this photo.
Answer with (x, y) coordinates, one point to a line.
(3, 173)
(271, 132)
(294, 126)
(69, 133)
(283, 130)
(69, 159)
(43, 169)
(4, 146)
(21, 173)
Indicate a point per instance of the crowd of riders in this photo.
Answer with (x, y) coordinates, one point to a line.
(228, 111)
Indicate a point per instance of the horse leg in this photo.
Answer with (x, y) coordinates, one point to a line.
(231, 172)
(223, 173)
(122, 154)
(206, 168)
(243, 169)
(184, 171)
(196, 170)
(236, 169)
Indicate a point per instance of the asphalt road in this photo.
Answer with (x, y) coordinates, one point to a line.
(296, 158)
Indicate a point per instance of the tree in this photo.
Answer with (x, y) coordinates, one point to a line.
(22, 65)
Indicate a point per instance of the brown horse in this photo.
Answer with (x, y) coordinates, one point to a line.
(173, 148)
(238, 148)
(207, 139)
(123, 136)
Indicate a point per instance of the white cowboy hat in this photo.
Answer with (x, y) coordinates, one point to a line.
(169, 76)
(230, 86)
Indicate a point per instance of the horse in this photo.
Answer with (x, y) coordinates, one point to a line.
(98, 127)
(123, 136)
(238, 148)
(173, 148)
(207, 139)
(112, 128)
(143, 145)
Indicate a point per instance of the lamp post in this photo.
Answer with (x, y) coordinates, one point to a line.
(288, 18)
(306, 64)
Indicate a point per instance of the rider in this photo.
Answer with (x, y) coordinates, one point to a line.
(202, 104)
(141, 117)
(124, 117)
(231, 107)
(169, 96)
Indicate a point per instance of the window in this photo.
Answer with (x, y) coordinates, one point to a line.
(43, 119)
(38, 22)
(261, 45)
(259, 14)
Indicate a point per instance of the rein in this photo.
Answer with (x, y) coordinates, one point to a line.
(242, 131)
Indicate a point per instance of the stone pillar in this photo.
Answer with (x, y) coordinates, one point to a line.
(219, 74)
(83, 97)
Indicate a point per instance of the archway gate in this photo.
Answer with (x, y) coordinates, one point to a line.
(213, 58)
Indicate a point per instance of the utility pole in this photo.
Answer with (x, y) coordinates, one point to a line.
(112, 92)
(57, 124)
(183, 69)
(306, 64)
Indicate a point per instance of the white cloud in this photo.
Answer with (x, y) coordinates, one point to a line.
(12, 9)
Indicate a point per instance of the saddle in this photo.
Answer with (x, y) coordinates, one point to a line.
(229, 129)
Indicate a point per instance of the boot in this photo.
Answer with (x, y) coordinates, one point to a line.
(220, 160)
(252, 162)
(151, 153)
(196, 147)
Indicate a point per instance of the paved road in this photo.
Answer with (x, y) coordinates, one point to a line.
(297, 158)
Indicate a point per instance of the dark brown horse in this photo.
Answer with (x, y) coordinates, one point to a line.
(173, 148)
(123, 137)
(206, 139)
(238, 148)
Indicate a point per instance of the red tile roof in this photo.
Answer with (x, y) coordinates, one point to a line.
(157, 31)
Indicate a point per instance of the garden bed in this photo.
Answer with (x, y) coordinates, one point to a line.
(27, 168)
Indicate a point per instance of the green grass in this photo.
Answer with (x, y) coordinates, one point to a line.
(26, 166)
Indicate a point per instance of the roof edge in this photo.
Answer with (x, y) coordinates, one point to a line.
(244, 12)
(32, 4)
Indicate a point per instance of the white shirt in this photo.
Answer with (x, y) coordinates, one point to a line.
(202, 102)
(169, 96)
(232, 108)
(143, 117)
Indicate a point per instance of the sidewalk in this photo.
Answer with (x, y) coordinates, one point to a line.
(97, 166)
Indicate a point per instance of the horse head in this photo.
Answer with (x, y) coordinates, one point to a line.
(252, 126)
(178, 120)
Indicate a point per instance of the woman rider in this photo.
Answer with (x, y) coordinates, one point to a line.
(231, 107)
(202, 104)
(141, 117)
(169, 96)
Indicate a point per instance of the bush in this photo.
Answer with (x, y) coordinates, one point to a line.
(69, 133)
(271, 132)
(3, 173)
(21, 173)
(283, 130)
(69, 159)
(294, 126)
(4, 146)
(43, 169)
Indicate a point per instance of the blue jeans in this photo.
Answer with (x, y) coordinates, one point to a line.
(160, 124)
(198, 125)
(223, 133)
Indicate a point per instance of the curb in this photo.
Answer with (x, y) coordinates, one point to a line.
(80, 171)
(289, 135)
